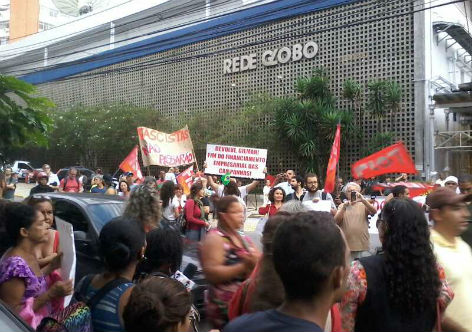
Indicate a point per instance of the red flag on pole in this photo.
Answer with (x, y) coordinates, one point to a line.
(185, 179)
(131, 164)
(392, 159)
(330, 182)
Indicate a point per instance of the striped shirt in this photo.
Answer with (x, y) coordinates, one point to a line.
(106, 315)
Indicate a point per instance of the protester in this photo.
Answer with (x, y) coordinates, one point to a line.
(71, 183)
(124, 189)
(168, 210)
(399, 289)
(10, 184)
(23, 286)
(285, 184)
(402, 178)
(297, 184)
(452, 183)
(158, 304)
(48, 250)
(53, 180)
(227, 259)
(121, 246)
(449, 213)
(352, 218)
(164, 251)
(99, 171)
(465, 186)
(442, 177)
(265, 192)
(129, 179)
(108, 182)
(399, 191)
(293, 206)
(314, 195)
(160, 179)
(144, 206)
(42, 186)
(98, 185)
(313, 279)
(197, 225)
(2, 184)
(179, 200)
(150, 181)
(276, 198)
(176, 171)
(170, 175)
(232, 188)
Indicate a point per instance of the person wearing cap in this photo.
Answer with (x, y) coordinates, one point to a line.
(452, 183)
(449, 212)
(42, 186)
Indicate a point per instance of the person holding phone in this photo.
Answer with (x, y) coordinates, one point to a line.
(352, 218)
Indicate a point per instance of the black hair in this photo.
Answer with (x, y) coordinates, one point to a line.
(398, 190)
(304, 273)
(120, 242)
(231, 189)
(108, 180)
(164, 247)
(272, 192)
(299, 179)
(311, 175)
(167, 192)
(17, 216)
(410, 265)
(195, 188)
(157, 304)
(127, 185)
(225, 202)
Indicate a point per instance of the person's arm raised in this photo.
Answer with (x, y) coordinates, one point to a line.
(251, 186)
(213, 261)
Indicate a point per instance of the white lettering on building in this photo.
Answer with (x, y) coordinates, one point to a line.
(271, 57)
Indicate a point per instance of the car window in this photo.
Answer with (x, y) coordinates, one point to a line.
(72, 214)
(101, 214)
(24, 166)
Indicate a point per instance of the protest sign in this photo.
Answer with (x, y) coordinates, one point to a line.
(393, 159)
(158, 148)
(67, 247)
(240, 162)
(321, 205)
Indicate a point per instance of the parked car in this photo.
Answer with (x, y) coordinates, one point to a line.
(25, 170)
(88, 213)
(11, 322)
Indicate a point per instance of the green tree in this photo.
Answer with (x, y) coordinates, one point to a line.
(23, 116)
(309, 121)
(384, 100)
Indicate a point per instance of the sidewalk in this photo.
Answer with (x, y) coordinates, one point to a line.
(22, 190)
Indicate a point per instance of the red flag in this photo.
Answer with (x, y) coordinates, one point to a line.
(185, 179)
(415, 188)
(330, 182)
(271, 179)
(131, 164)
(393, 159)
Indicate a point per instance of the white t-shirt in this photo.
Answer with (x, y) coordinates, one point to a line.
(53, 178)
(168, 212)
(176, 203)
(170, 177)
(286, 187)
(242, 190)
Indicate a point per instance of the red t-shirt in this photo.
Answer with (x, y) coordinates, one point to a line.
(71, 186)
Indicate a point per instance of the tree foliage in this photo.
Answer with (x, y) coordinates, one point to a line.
(23, 116)
(309, 121)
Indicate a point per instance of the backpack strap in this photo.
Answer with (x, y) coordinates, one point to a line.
(105, 290)
(324, 195)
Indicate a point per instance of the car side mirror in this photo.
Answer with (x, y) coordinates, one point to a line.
(82, 243)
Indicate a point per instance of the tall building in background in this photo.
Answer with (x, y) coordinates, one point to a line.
(21, 18)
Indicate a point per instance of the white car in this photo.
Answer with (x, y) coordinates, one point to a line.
(24, 169)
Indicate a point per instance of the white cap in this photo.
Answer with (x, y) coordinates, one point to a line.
(451, 179)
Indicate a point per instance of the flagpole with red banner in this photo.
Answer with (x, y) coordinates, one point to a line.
(330, 181)
(131, 164)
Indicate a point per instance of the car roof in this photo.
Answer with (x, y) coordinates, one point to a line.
(88, 198)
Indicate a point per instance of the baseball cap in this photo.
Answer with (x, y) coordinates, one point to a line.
(444, 196)
(451, 179)
(129, 174)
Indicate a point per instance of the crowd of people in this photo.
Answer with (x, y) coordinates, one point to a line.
(316, 271)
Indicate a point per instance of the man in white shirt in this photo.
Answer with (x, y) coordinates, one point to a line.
(53, 180)
(286, 186)
(170, 175)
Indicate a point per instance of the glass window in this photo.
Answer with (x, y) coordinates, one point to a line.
(72, 214)
(102, 213)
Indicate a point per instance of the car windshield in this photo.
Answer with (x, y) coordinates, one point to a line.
(103, 213)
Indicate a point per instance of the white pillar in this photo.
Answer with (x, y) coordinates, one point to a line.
(45, 58)
(112, 35)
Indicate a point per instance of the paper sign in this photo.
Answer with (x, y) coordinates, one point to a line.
(250, 224)
(240, 162)
(158, 148)
(321, 205)
(185, 180)
(67, 247)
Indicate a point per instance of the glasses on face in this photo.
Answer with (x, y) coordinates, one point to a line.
(451, 184)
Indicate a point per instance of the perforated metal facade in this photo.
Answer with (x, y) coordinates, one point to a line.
(354, 42)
